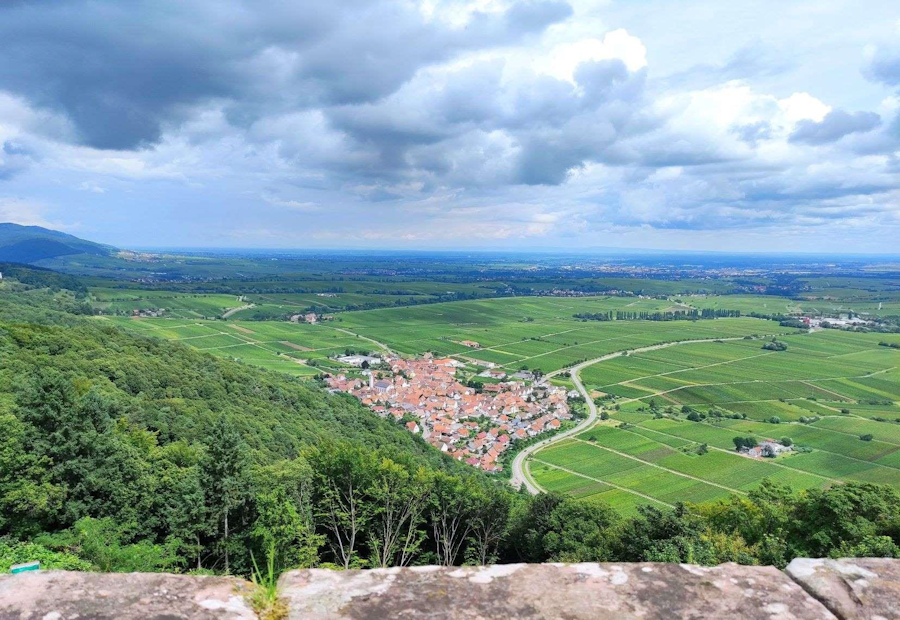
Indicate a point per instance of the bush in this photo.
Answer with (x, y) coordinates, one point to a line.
(15, 552)
(787, 442)
(867, 437)
(745, 442)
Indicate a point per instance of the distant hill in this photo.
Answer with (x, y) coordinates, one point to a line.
(30, 244)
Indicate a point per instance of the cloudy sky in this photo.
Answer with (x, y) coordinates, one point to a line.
(496, 124)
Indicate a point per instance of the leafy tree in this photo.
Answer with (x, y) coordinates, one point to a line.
(27, 496)
(284, 525)
(226, 480)
(343, 477)
(490, 522)
(666, 535)
(580, 531)
(452, 513)
(399, 494)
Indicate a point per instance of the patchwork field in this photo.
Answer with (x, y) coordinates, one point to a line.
(297, 349)
(537, 332)
(832, 393)
(518, 332)
(179, 305)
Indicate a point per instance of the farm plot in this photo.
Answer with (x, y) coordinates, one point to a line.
(278, 346)
(183, 305)
(842, 371)
(825, 365)
(538, 333)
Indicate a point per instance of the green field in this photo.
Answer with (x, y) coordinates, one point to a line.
(518, 332)
(297, 349)
(842, 384)
(537, 332)
(515, 332)
(178, 305)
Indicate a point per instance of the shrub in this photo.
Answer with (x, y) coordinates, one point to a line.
(15, 552)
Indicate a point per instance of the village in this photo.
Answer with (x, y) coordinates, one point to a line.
(472, 424)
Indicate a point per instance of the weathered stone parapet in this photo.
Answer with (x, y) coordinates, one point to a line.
(809, 589)
(852, 588)
(576, 591)
(61, 595)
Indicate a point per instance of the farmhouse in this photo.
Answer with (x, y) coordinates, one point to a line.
(309, 317)
(493, 374)
(768, 448)
(471, 344)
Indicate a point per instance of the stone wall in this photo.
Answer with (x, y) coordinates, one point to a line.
(808, 589)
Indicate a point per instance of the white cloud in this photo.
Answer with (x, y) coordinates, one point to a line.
(28, 213)
(563, 59)
(803, 106)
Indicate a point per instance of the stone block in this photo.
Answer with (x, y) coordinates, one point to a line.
(574, 591)
(852, 588)
(61, 595)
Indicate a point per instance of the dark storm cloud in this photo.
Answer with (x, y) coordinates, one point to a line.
(435, 129)
(834, 126)
(121, 71)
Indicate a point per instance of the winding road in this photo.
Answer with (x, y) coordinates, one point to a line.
(519, 474)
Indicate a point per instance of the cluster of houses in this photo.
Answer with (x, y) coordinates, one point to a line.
(841, 322)
(148, 314)
(471, 426)
(310, 317)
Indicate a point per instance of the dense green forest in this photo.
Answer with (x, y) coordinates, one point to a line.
(123, 453)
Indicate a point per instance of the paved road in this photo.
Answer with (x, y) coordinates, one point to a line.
(231, 311)
(519, 477)
(380, 345)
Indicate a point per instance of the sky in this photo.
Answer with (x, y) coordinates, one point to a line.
(473, 124)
